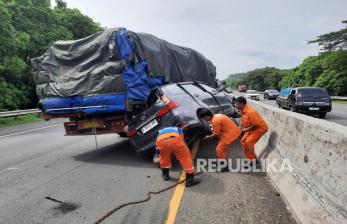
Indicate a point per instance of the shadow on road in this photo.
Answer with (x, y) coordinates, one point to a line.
(120, 153)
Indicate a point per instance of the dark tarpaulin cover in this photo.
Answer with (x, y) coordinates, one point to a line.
(113, 63)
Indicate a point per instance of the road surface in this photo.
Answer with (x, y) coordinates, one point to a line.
(338, 113)
(37, 160)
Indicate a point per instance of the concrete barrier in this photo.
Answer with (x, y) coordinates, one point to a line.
(315, 188)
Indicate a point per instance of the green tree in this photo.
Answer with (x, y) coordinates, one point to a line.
(27, 29)
(259, 79)
(72, 19)
(327, 70)
(333, 41)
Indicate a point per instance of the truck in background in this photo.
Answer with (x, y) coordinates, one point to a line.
(242, 88)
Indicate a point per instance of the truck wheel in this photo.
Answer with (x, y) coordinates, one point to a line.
(322, 115)
(279, 106)
(292, 109)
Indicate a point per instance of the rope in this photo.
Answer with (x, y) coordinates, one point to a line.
(108, 214)
(95, 138)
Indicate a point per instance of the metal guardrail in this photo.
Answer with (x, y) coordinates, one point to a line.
(15, 113)
(339, 97)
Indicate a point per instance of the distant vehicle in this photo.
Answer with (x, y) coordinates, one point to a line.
(271, 94)
(177, 105)
(307, 100)
(253, 95)
(242, 88)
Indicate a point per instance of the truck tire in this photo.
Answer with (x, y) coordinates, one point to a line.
(292, 109)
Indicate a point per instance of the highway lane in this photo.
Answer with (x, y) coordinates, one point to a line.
(338, 113)
(41, 162)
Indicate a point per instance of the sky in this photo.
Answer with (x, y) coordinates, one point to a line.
(236, 35)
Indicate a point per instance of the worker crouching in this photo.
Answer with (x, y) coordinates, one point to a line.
(171, 140)
(252, 125)
(223, 128)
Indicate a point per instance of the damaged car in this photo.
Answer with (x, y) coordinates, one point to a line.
(177, 104)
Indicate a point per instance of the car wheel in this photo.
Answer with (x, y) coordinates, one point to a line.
(322, 115)
(205, 128)
(122, 134)
(148, 154)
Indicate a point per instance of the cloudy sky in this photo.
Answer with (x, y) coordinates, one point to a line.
(236, 35)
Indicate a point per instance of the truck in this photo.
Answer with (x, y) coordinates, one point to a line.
(100, 82)
(242, 88)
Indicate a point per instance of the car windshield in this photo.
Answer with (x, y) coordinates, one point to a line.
(252, 91)
(273, 91)
(312, 92)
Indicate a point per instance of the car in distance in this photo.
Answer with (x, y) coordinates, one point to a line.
(306, 100)
(253, 95)
(176, 104)
(271, 94)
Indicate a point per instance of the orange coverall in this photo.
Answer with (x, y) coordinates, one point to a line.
(172, 142)
(250, 138)
(228, 132)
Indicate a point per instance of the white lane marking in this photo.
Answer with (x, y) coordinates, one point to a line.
(21, 132)
(12, 168)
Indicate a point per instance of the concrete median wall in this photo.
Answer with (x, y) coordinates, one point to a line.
(315, 183)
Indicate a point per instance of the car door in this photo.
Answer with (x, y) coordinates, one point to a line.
(224, 103)
(204, 98)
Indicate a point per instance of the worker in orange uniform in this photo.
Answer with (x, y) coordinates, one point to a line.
(171, 140)
(224, 128)
(253, 126)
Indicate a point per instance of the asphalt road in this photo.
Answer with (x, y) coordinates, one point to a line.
(44, 162)
(37, 160)
(338, 113)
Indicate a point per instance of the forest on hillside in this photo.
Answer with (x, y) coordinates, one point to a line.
(28, 28)
(327, 70)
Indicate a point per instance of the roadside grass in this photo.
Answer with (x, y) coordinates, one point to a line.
(23, 119)
(340, 101)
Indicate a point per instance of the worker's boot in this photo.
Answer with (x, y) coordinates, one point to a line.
(165, 174)
(191, 181)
